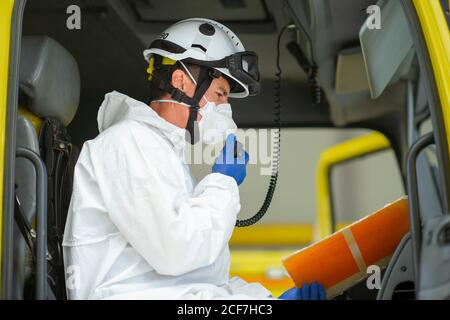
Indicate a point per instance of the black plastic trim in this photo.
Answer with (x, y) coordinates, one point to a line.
(413, 196)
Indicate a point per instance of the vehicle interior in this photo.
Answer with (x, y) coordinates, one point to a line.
(354, 110)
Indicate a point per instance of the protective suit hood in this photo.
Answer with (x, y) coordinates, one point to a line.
(117, 107)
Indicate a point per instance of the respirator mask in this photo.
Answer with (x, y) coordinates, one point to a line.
(216, 122)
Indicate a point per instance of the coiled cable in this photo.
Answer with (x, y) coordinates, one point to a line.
(276, 143)
(316, 90)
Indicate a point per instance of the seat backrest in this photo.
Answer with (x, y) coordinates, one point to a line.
(26, 191)
(49, 89)
(49, 79)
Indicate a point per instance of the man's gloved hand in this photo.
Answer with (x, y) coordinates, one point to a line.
(230, 166)
(314, 291)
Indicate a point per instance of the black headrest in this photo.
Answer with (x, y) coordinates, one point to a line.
(49, 78)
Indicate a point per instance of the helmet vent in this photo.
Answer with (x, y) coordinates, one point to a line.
(207, 29)
(199, 46)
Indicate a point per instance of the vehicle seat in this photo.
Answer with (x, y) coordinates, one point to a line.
(49, 83)
(26, 192)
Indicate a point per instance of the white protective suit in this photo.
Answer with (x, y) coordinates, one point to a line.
(138, 226)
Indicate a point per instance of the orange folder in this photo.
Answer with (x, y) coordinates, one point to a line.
(341, 260)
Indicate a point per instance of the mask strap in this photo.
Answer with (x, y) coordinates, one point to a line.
(171, 101)
(188, 72)
(204, 81)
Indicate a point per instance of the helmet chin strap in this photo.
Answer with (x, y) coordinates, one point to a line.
(204, 81)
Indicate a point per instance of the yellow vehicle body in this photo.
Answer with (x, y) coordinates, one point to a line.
(6, 8)
(437, 37)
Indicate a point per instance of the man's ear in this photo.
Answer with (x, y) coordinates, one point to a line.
(178, 79)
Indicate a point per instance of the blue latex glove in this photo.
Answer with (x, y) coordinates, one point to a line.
(230, 166)
(314, 291)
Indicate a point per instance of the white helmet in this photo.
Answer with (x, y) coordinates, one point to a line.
(209, 43)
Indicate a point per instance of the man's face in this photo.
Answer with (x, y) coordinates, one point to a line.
(218, 91)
